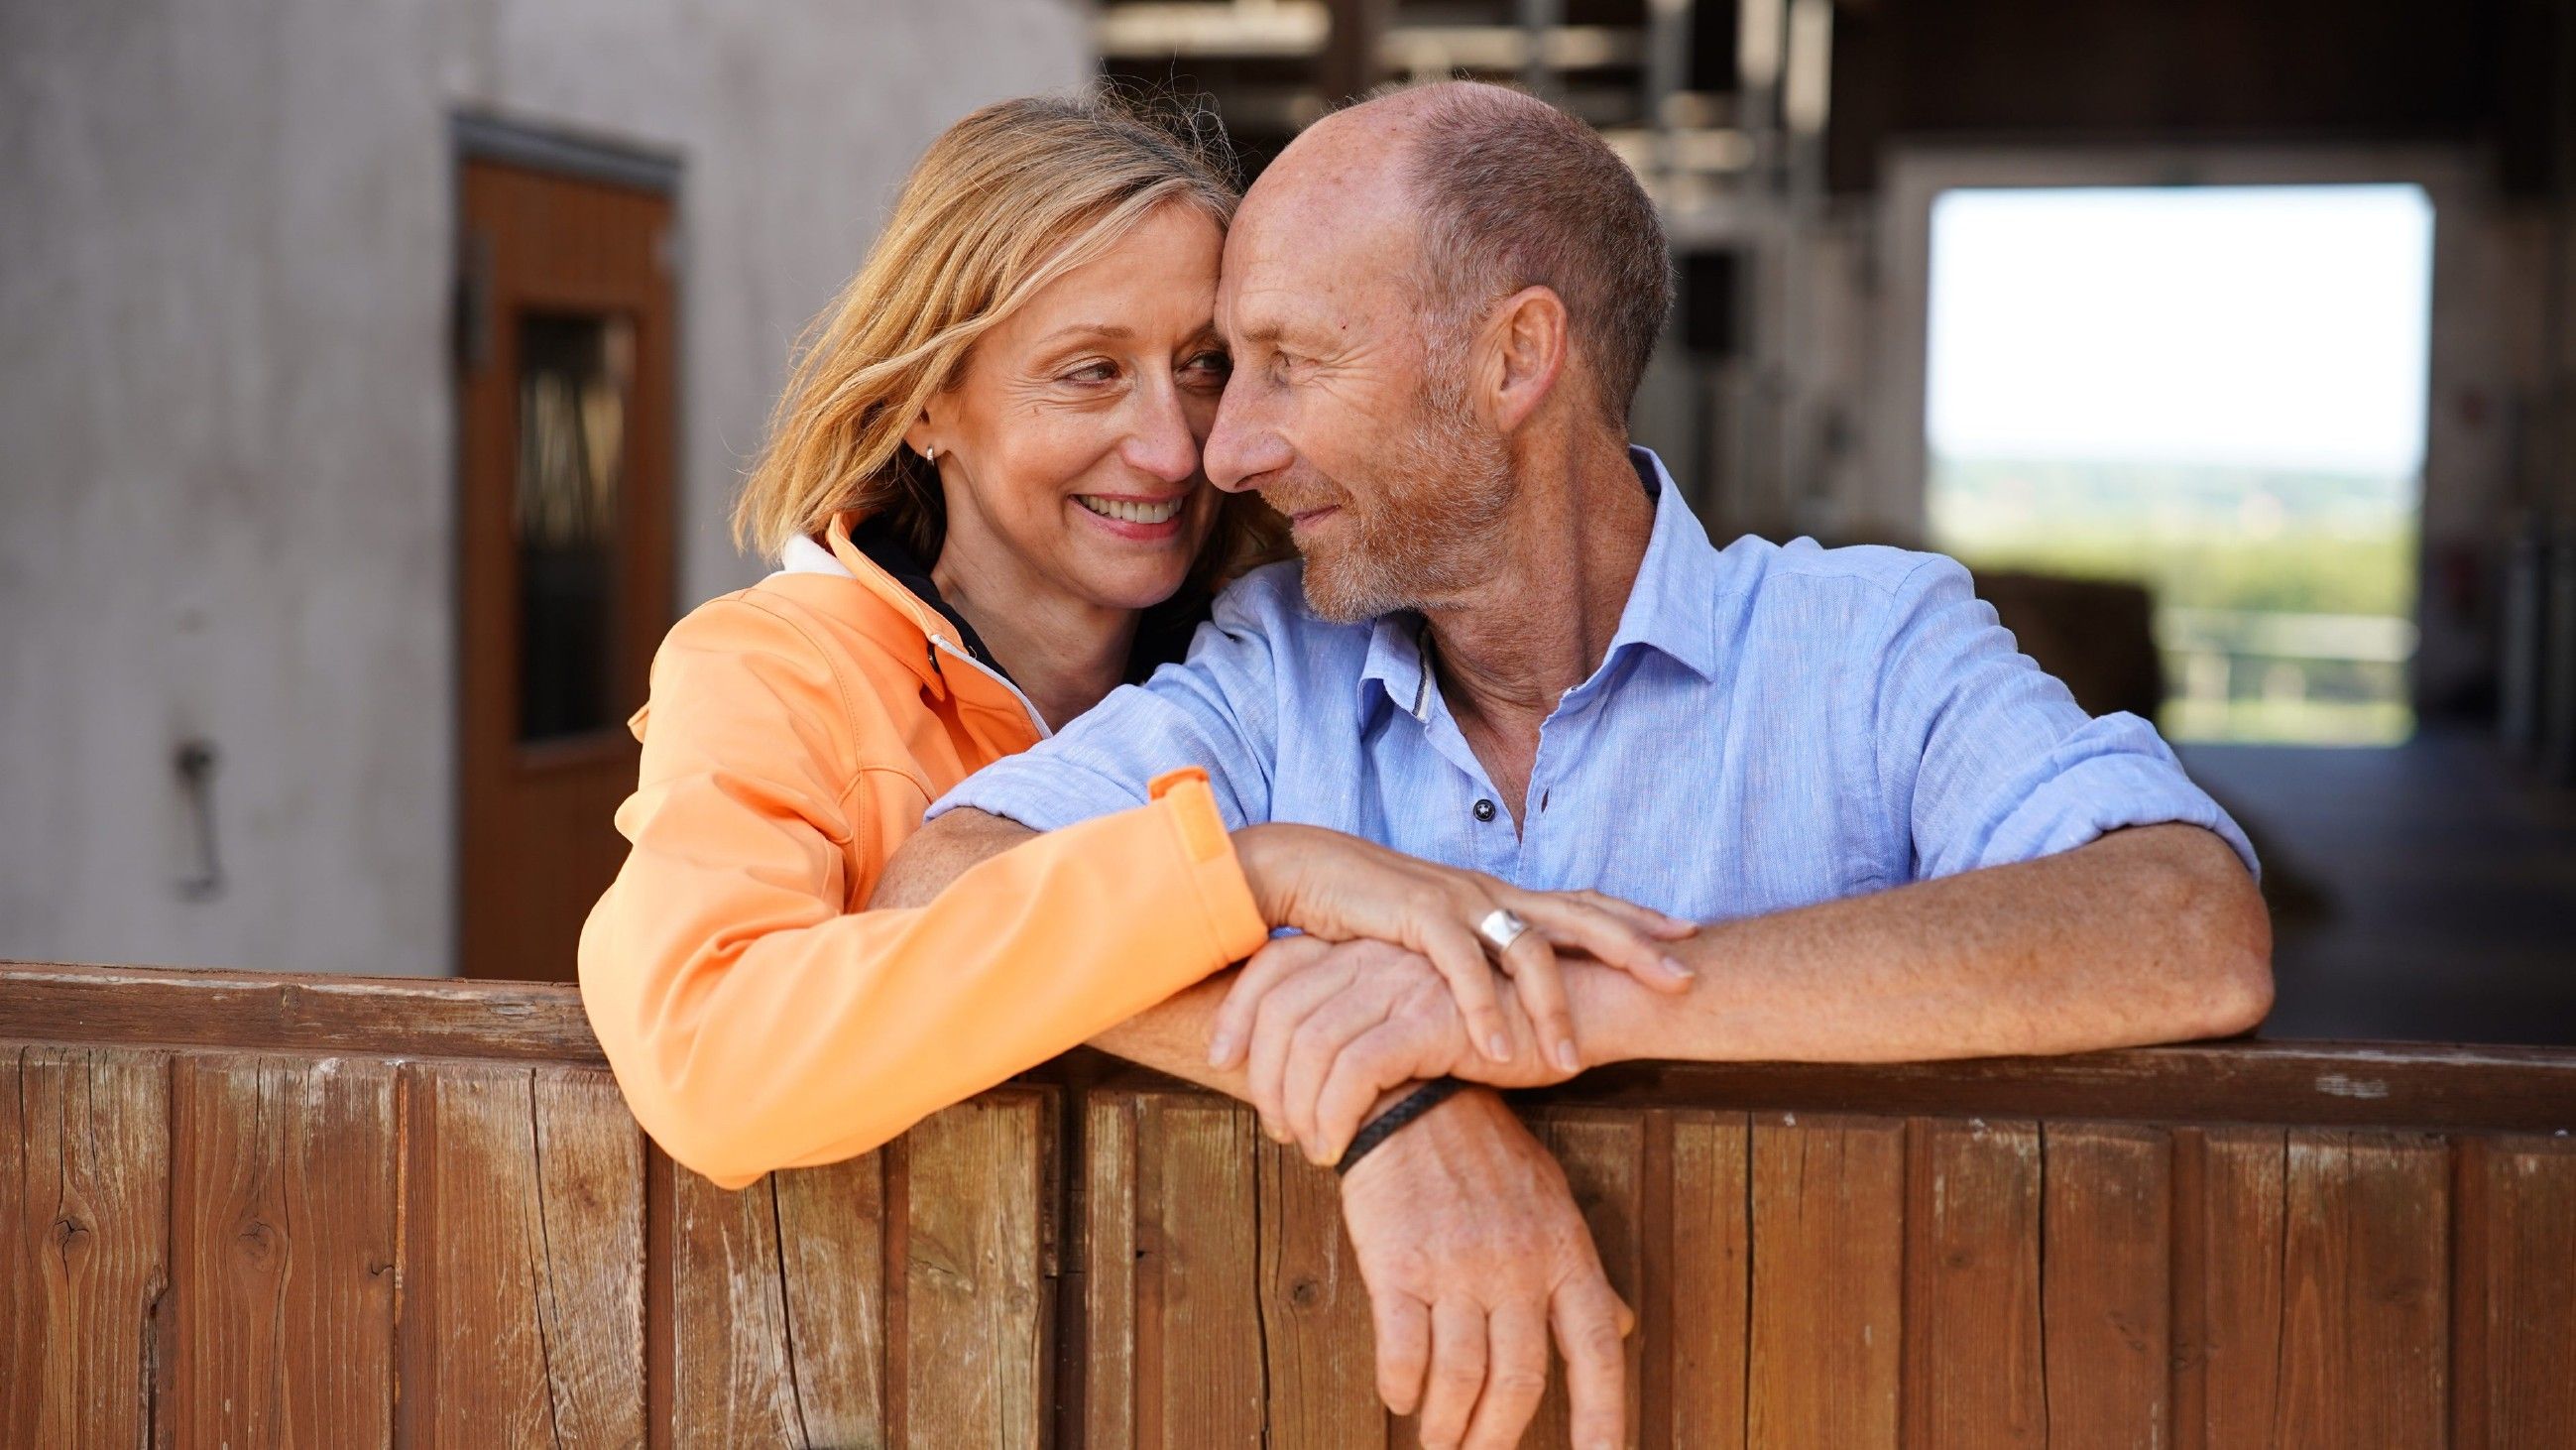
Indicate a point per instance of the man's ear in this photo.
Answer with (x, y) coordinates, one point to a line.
(1526, 338)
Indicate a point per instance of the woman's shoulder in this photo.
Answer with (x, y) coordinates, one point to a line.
(808, 659)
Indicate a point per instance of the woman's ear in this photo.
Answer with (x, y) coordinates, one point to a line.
(918, 436)
(1528, 337)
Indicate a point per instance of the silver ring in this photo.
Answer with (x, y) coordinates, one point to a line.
(1501, 927)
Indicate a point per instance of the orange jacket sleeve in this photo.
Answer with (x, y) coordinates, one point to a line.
(753, 1024)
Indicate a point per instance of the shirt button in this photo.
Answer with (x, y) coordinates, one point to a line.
(1484, 810)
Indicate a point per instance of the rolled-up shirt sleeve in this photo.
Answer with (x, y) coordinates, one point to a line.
(1985, 759)
(1217, 710)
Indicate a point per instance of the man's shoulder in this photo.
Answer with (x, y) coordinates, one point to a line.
(1269, 603)
(1806, 598)
(1872, 569)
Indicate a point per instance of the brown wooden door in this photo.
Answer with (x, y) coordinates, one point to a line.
(565, 393)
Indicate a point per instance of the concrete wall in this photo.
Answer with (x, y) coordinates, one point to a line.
(226, 482)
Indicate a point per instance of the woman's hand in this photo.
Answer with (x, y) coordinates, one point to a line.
(1339, 887)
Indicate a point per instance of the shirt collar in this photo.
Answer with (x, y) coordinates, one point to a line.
(1672, 606)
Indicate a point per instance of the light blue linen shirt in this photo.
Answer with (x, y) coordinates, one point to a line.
(1773, 725)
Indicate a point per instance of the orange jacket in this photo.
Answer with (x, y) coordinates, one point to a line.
(756, 1016)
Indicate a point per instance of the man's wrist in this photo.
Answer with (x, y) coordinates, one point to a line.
(1614, 1014)
(1408, 1106)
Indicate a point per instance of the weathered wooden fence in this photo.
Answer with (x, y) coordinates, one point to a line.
(249, 1210)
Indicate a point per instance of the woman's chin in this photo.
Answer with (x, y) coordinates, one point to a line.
(1134, 588)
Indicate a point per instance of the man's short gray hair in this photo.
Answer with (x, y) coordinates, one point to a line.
(1516, 193)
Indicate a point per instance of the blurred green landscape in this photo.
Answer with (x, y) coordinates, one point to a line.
(2285, 599)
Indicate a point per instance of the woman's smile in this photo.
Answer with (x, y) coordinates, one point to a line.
(1131, 517)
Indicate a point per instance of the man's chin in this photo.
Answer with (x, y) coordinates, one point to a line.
(1338, 594)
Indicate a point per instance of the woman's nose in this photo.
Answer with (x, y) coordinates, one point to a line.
(1161, 443)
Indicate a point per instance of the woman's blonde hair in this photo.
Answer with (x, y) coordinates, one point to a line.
(1003, 203)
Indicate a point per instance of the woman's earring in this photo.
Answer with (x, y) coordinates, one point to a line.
(930, 454)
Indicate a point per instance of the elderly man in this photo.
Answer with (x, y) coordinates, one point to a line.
(1510, 647)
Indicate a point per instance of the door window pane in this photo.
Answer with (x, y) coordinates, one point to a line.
(574, 377)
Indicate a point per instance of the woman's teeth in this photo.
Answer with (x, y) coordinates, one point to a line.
(1131, 512)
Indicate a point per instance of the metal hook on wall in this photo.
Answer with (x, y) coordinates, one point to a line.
(195, 761)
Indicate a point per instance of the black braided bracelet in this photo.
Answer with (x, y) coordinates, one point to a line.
(1413, 1105)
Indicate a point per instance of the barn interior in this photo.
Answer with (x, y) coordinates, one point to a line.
(2232, 342)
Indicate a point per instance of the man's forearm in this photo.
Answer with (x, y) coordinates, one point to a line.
(2147, 935)
(1172, 1037)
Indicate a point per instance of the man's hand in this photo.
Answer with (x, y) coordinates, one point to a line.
(1334, 1027)
(1472, 1250)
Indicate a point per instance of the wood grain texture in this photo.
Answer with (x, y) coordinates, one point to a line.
(85, 1181)
(1828, 1249)
(1708, 1336)
(1975, 1375)
(284, 1252)
(524, 1259)
(976, 1301)
(1602, 1153)
(732, 1364)
(2365, 1314)
(2107, 1291)
(831, 1253)
(2343, 1084)
(1199, 1357)
(1318, 1349)
(2518, 1383)
(2231, 1193)
(1108, 1245)
(296, 1012)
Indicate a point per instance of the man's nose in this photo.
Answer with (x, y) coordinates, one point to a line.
(1243, 445)
(1161, 443)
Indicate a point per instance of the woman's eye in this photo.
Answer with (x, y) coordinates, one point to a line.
(1211, 364)
(1099, 372)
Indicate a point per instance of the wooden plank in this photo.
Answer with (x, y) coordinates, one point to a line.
(297, 1012)
(1603, 1157)
(284, 1251)
(1974, 1371)
(2406, 1085)
(1198, 1347)
(85, 1178)
(2230, 1194)
(2523, 1384)
(1109, 1271)
(2396, 1085)
(733, 1374)
(2365, 1317)
(2107, 1291)
(2411, 1085)
(1828, 1249)
(1711, 1280)
(523, 1247)
(1318, 1346)
(976, 1305)
(831, 1241)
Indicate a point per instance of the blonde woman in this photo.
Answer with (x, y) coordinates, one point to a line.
(982, 485)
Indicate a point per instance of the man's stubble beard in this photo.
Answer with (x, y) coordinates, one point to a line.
(1435, 509)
